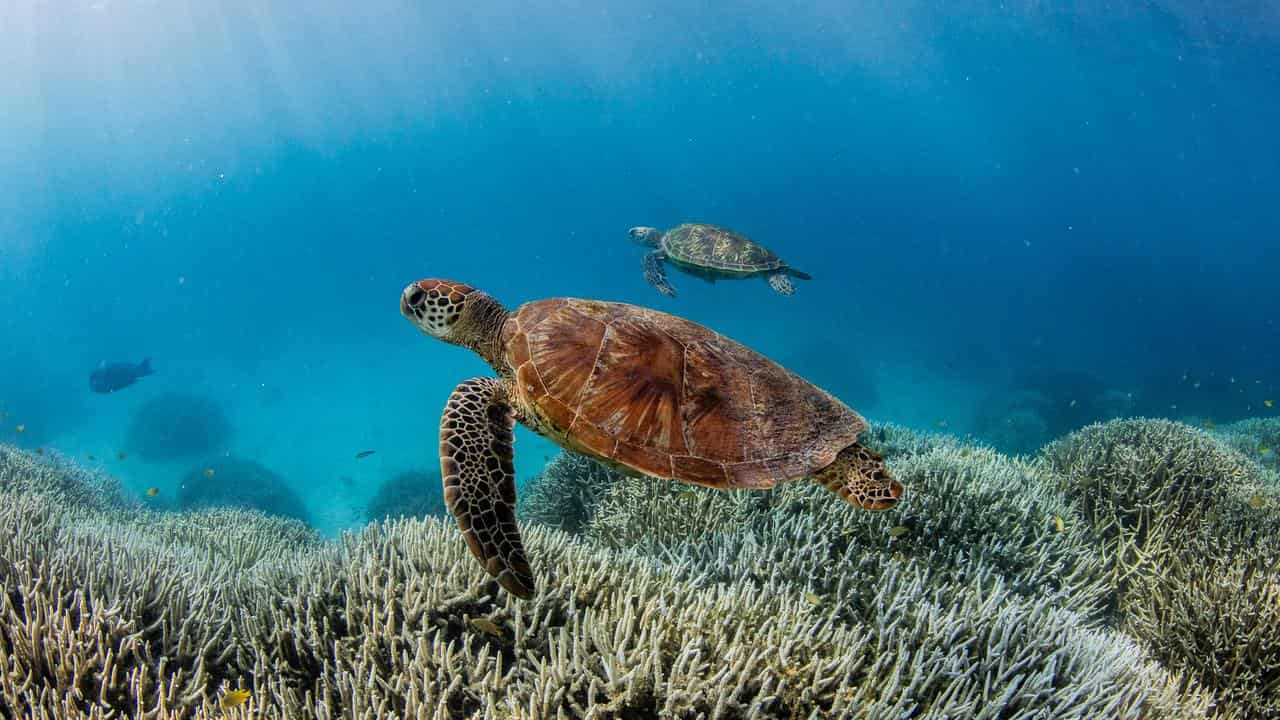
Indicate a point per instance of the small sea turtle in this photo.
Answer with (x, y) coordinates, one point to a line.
(645, 392)
(711, 253)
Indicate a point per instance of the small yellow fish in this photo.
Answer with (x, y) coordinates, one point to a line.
(208, 472)
(812, 599)
(1210, 424)
(21, 428)
(1257, 502)
(1268, 403)
(1264, 450)
(964, 452)
(234, 698)
(900, 556)
(898, 531)
(152, 492)
(486, 626)
(1058, 523)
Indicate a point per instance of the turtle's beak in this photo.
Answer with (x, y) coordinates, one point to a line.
(410, 301)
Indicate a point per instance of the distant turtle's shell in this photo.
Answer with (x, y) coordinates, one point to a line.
(669, 398)
(718, 248)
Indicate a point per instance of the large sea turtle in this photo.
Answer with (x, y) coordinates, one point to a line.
(712, 253)
(643, 391)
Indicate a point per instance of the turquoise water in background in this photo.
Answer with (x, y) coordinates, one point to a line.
(1019, 219)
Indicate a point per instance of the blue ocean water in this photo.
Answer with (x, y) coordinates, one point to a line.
(1011, 211)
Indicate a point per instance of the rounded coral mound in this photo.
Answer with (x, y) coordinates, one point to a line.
(1256, 438)
(176, 425)
(1189, 529)
(1128, 474)
(232, 482)
(414, 493)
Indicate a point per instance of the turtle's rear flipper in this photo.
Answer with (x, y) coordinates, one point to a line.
(479, 479)
(781, 284)
(656, 275)
(860, 477)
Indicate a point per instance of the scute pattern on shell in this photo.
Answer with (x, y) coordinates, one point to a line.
(669, 398)
(718, 248)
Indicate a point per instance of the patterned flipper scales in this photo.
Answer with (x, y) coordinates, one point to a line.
(479, 479)
(781, 284)
(655, 274)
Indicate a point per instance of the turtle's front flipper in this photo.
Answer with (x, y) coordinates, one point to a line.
(781, 284)
(859, 476)
(656, 275)
(479, 479)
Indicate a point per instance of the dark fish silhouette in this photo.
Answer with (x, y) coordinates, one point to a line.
(364, 453)
(117, 376)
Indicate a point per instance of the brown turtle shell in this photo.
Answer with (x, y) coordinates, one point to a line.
(666, 397)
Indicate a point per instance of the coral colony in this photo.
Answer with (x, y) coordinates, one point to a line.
(1124, 572)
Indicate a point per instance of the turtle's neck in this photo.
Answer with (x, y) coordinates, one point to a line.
(481, 327)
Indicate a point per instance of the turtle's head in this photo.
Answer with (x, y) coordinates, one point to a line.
(455, 313)
(647, 236)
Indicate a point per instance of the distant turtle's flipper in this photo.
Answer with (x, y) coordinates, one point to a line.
(860, 477)
(479, 479)
(656, 275)
(781, 284)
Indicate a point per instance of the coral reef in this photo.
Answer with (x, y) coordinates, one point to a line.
(176, 425)
(991, 591)
(1190, 532)
(1256, 438)
(565, 494)
(413, 493)
(233, 482)
(1126, 474)
(968, 513)
(568, 491)
(892, 440)
(1209, 608)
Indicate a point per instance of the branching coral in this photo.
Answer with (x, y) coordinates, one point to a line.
(1211, 609)
(961, 504)
(399, 621)
(894, 441)
(1190, 535)
(567, 491)
(1125, 474)
(53, 475)
(1255, 438)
